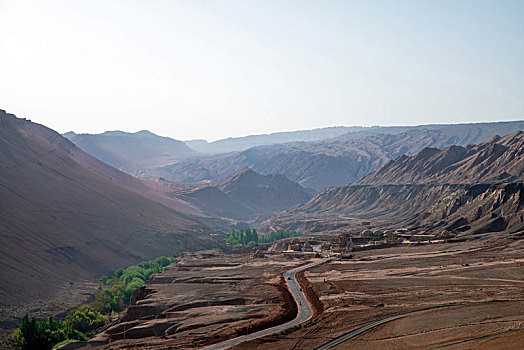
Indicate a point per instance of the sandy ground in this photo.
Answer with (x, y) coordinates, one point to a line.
(487, 275)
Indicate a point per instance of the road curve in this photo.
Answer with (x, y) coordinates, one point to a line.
(304, 309)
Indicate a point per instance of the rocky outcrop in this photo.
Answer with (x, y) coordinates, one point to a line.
(207, 296)
(459, 190)
(500, 159)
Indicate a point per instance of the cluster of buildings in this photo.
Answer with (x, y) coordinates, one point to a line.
(368, 238)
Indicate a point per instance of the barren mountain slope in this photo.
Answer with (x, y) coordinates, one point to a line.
(131, 152)
(312, 164)
(498, 159)
(460, 190)
(63, 222)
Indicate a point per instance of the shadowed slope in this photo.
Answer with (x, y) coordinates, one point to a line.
(64, 217)
(132, 152)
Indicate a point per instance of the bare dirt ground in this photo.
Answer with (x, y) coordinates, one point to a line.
(207, 297)
(467, 295)
(485, 275)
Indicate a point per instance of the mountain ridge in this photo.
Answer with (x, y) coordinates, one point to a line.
(131, 152)
(459, 191)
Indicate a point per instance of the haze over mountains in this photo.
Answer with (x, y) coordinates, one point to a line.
(346, 155)
(131, 152)
(242, 143)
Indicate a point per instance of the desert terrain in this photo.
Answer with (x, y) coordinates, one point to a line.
(465, 292)
(430, 296)
(205, 298)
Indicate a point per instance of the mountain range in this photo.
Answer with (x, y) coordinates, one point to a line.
(459, 190)
(131, 152)
(235, 144)
(70, 210)
(344, 155)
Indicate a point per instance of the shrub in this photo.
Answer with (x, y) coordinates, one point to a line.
(86, 319)
(34, 334)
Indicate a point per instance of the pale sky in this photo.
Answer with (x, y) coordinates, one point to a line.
(213, 69)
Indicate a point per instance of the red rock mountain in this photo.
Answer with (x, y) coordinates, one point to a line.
(498, 159)
(66, 216)
(462, 190)
(245, 195)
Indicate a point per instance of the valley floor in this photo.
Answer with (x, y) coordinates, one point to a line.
(484, 280)
(465, 295)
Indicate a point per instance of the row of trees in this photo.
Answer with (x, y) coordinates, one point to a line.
(240, 238)
(34, 334)
(91, 316)
(276, 235)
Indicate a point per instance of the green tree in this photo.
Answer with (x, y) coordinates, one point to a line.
(85, 319)
(33, 334)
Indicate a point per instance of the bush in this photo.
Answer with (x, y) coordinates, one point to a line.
(86, 319)
(34, 334)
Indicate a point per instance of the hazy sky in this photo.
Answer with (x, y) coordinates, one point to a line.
(212, 69)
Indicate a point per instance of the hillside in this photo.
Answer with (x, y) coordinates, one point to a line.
(459, 190)
(244, 195)
(131, 152)
(65, 218)
(316, 165)
(498, 159)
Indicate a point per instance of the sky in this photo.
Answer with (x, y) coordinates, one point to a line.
(198, 69)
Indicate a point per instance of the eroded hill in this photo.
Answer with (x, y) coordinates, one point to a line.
(459, 190)
(245, 195)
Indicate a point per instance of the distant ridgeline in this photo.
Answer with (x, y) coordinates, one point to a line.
(249, 237)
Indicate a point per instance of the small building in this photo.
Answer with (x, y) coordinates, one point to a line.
(367, 233)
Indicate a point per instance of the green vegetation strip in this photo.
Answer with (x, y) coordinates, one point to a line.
(34, 334)
(249, 237)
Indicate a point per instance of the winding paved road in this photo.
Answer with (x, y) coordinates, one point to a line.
(304, 309)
